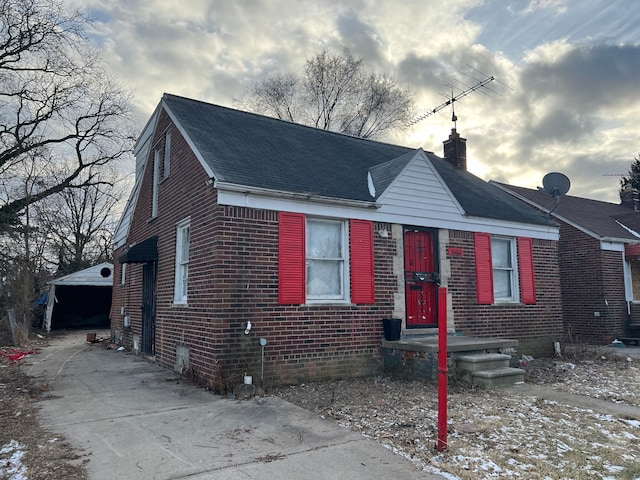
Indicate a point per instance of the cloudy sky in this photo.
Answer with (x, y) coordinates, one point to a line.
(566, 96)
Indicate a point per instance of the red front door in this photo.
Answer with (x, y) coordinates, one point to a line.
(420, 278)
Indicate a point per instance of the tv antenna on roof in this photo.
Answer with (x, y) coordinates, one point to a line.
(452, 100)
(555, 184)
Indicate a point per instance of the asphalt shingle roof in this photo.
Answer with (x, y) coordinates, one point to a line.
(601, 218)
(248, 149)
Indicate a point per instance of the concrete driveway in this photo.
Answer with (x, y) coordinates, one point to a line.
(132, 419)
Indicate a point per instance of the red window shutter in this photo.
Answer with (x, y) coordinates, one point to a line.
(484, 268)
(292, 259)
(527, 274)
(362, 262)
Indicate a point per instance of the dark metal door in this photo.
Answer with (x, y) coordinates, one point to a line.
(420, 278)
(148, 308)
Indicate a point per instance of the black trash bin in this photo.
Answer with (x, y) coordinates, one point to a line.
(392, 328)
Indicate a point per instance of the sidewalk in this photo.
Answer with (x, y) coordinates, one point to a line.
(132, 419)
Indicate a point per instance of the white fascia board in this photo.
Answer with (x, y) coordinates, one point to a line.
(189, 141)
(141, 152)
(247, 192)
(510, 229)
(149, 128)
(369, 211)
(612, 244)
(121, 233)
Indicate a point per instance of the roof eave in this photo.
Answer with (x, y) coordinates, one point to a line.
(553, 232)
(309, 197)
(618, 240)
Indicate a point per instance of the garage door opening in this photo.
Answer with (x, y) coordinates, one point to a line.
(80, 300)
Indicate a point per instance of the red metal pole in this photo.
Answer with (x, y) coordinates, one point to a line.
(443, 371)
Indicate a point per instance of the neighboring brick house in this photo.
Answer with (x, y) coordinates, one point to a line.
(242, 227)
(599, 254)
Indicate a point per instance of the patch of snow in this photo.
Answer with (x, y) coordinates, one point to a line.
(633, 423)
(11, 468)
(563, 447)
(613, 468)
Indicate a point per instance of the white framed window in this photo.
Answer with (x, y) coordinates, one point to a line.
(156, 181)
(505, 274)
(327, 260)
(183, 241)
(632, 279)
(166, 166)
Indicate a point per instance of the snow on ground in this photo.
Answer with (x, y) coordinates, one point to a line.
(11, 466)
(502, 433)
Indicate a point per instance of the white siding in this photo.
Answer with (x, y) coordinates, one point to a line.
(420, 192)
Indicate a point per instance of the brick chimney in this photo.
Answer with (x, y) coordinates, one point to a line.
(630, 197)
(455, 150)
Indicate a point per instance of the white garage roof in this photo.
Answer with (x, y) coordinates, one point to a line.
(95, 276)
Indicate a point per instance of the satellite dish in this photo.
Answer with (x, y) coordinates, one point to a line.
(556, 184)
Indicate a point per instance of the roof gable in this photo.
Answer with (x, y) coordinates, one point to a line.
(417, 187)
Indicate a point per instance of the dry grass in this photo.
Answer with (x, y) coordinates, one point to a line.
(498, 433)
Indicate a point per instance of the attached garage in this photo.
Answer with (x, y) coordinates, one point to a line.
(81, 299)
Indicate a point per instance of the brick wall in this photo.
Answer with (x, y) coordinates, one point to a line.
(233, 278)
(594, 307)
(535, 327)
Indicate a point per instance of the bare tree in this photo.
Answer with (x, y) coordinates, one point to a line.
(56, 104)
(334, 93)
(79, 222)
(62, 121)
(23, 261)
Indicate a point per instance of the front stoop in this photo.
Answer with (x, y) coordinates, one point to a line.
(487, 370)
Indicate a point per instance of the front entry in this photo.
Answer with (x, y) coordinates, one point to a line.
(147, 346)
(421, 277)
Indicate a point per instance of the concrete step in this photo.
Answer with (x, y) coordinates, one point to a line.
(499, 377)
(467, 364)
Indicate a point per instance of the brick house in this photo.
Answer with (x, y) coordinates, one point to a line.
(599, 255)
(242, 227)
